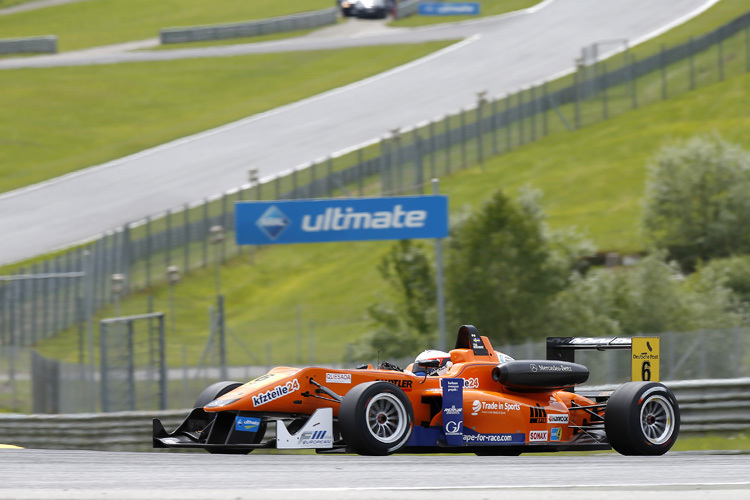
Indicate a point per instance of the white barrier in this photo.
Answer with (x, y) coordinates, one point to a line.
(306, 20)
(32, 45)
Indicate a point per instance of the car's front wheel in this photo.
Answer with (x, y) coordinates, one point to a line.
(376, 418)
(642, 418)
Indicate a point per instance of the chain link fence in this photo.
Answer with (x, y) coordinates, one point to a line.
(30, 383)
(40, 299)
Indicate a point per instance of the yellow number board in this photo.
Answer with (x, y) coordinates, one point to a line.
(645, 359)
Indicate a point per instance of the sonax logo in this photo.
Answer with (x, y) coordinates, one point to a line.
(537, 436)
(272, 222)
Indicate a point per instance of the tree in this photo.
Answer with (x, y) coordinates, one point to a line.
(696, 202)
(406, 322)
(505, 266)
(651, 297)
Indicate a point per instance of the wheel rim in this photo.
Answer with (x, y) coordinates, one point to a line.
(386, 418)
(657, 420)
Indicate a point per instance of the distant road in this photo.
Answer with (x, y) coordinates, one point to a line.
(497, 54)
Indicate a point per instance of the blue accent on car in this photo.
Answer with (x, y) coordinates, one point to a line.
(246, 424)
(453, 410)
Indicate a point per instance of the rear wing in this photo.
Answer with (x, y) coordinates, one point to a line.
(644, 352)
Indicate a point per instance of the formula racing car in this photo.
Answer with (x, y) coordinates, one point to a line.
(484, 403)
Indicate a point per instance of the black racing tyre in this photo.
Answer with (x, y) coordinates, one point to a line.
(213, 391)
(642, 418)
(376, 418)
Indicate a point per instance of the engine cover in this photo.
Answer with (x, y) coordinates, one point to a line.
(539, 375)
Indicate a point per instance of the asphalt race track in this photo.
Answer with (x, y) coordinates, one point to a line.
(83, 475)
(496, 54)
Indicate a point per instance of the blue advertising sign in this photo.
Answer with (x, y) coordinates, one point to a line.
(449, 9)
(341, 219)
(453, 410)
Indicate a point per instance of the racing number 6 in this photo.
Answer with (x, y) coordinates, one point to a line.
(646, 371)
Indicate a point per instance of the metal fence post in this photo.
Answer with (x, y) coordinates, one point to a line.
(605, 111)
(521, 118)
(329, 178)
(720, 55)
(463, 138)
(104, 389)
(545, 124)
(162, 366)
(533, 113)
(495, 150)
(206, 232)
(131, 365)
(691, 50)
(448, 145)
(507, 123)
(577, 92)
(168, 256)
(663, 60)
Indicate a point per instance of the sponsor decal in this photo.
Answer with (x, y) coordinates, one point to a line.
(598, 340)
(277, 392)
(453, 385)
(315, 438)
(336, 219)
(476, 407)
(493, 407)
(246, 424)
(454, 428)
(645, 355)
(474, 438)
(557, 418)
(453, 410)
(549, 367)
(404, 385)
(555, 434)
(273, 222)
(338, 378)
(538, 415)
(471, 383)
(537, 436)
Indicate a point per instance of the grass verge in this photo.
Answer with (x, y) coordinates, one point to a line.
(54, 121)
(105, 22)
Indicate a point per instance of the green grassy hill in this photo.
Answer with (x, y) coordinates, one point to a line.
(280, 297)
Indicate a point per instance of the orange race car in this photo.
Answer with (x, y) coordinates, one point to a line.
(473, 399)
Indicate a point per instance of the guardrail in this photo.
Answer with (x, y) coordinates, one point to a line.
(30, 45)
(306, 20)
(706, 406)
(407, 8)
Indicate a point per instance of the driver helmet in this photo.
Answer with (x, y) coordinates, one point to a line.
(445, 362)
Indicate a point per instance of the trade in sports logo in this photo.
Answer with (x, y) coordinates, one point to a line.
(273, 222)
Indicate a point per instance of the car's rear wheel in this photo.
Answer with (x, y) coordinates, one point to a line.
(642, 418)
(376, 418)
